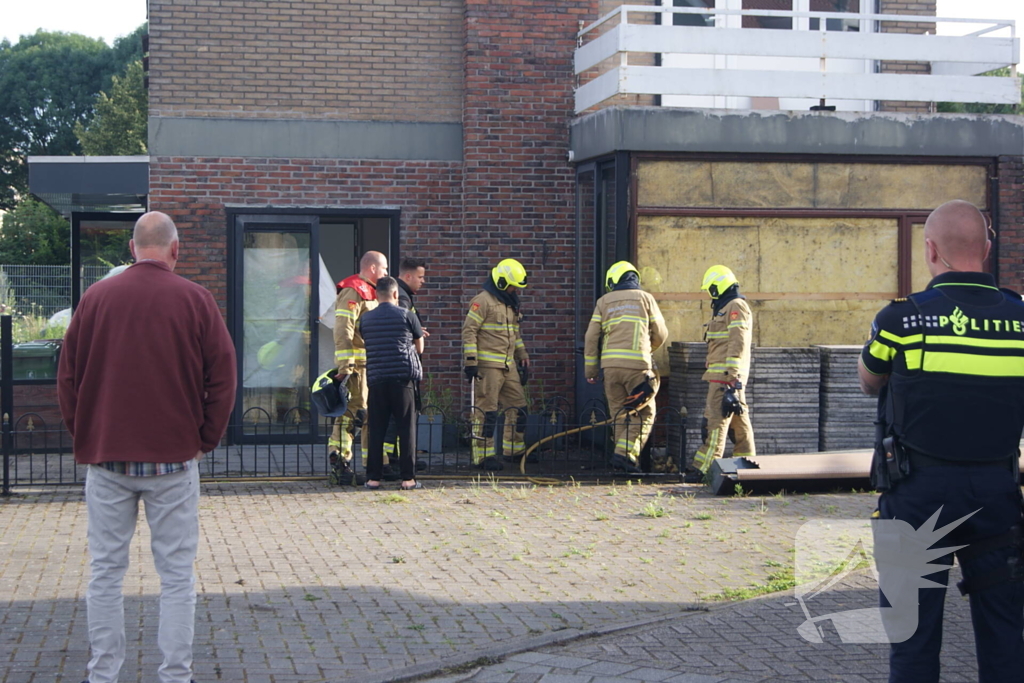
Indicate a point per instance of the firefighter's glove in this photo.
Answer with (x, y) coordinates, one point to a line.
(524, 374)
(731, 403)
(472, 372)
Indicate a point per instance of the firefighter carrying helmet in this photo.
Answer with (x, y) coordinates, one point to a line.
(509, 273)
(717, 279)
(329, 397)
(616, 272)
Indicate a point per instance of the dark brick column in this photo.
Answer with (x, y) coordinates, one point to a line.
(518, 188)
(1011, 222)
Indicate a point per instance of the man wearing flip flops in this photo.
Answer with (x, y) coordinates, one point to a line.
(393, 341)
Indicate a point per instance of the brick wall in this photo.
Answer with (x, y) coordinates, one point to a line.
(518, 188)
(336, 59)
(921, 7)
(194, 191)
(1011, 222)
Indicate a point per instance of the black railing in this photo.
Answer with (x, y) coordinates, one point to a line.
(37, 450)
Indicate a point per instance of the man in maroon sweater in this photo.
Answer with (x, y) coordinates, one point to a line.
(146, 384)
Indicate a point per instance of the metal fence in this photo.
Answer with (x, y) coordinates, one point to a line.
(42, 290)
(37, 450)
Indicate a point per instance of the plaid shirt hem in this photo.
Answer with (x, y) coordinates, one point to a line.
(147, 469)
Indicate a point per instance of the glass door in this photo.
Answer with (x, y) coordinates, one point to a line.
(275, 284)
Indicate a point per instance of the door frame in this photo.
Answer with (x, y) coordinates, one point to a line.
(281, 217)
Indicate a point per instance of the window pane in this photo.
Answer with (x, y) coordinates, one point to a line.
(693, 19)
(836, 6)
(768, 22)
(275, 362)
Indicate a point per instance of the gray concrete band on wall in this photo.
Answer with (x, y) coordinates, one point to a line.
(666, 129)
(291, 139)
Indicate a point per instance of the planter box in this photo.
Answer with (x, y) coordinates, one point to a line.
(430, 433)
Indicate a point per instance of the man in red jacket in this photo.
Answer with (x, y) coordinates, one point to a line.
(146, 384)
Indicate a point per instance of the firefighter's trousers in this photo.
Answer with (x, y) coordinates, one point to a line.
(498, 387)
(630, 432)
(343, 434)
(719, 428)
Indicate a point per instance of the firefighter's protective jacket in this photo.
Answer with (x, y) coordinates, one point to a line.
(490, 333)
(355, 297)
(728, 338)
(625, 329)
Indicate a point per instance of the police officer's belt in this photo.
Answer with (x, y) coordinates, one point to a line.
(919, 460)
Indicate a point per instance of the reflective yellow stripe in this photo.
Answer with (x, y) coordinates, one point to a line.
(360, 355)
(470, 347)
(622, 353)
(498, 327)
(974, 341)
(905, 341)
(881, 351)
(636, 320)
(492, 357)
(520, 344)
(732, 362)
(738, 323)
(344, 313)
(972, 364)
(913, 359)
(343, 355)
(475, 316)
(596, 318)
(718, 335)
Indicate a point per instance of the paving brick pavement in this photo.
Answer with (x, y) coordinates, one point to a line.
(747, 642)
(301, 583)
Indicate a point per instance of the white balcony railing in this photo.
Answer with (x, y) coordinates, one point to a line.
(724, 65)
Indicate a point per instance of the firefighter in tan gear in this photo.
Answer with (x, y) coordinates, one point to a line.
(497, 362)
(626, 328)
(728, 371)
(356, 295)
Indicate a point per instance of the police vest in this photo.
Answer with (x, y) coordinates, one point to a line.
(962, 397)
(390, 354)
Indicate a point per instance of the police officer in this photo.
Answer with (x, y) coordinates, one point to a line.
(625, 329)
(494, 356)
(728, 370)
(356, 295)
(951, 362)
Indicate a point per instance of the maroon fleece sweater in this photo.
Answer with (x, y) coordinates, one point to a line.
(147, 372)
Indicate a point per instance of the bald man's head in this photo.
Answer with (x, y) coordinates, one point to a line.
(956, 238)
(154, 229)
(155, 238)
(373, 266)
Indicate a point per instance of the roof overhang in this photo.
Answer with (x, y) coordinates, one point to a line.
(90, 184)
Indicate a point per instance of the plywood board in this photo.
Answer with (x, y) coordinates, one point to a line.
(778, 185)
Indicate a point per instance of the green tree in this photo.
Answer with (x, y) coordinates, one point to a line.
(49, 83)
(119, 124)
(34, 234)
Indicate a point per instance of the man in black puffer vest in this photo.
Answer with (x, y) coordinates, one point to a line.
(393, 340)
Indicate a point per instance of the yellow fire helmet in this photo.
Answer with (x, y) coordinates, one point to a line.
(509, 273)
(717, 279)
(616, 272)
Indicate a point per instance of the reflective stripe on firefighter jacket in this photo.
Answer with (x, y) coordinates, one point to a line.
(490, 334)
(355, 298)
(728, 337)
(625, 329)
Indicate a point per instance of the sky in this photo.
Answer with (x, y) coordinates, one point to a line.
(109, 19)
